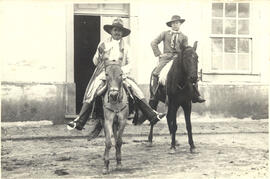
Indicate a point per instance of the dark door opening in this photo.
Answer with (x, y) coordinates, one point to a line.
(86, 39)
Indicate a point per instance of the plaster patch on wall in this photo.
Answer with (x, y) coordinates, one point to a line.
(12, 92)
(40, 92)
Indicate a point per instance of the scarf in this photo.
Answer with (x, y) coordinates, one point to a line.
(174, 38)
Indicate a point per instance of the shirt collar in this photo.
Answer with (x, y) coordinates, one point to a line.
(175, 32)
(121, 42)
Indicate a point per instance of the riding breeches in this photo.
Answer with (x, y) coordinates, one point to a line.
(166, 58)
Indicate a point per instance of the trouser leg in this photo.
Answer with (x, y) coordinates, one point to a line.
(156, 72)
(162, 63)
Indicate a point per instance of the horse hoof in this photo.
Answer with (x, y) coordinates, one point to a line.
(172, 150)
(193, 150)
(105, 171)
(119, 166)
(149, 144)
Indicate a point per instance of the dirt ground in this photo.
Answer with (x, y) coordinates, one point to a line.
(219, 155)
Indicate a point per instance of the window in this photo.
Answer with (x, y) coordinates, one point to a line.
(231, 39)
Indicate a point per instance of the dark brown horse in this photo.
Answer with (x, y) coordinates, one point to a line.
(115, 106)
(178, 92)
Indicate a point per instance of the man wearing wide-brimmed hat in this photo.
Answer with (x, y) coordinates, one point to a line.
(113, 48)
(173, 41)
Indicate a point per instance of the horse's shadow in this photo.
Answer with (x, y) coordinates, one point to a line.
(125, 170)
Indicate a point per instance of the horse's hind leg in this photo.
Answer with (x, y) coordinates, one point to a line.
(108, 144)
(153, 103)
(187, 111)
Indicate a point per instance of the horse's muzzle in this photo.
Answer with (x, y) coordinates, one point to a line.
(114, 94)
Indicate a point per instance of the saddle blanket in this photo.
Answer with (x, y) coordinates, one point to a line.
(164, 72)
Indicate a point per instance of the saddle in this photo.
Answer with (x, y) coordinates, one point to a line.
(158, 90)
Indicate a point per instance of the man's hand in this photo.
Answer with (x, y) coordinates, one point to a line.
(161, 55)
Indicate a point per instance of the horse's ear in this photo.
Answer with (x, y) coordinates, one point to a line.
(195, 45)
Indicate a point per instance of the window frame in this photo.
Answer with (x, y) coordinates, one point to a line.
(236, 36)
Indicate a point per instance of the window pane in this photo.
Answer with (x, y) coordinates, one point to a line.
(243, 27)
(217, 26)
(230, 45)
(217, 62)
(230, 62)
(217, 45)
(230, 26)
(243, 45)
(217, 9)
(243, 62)
(230, 9)
(243, 10)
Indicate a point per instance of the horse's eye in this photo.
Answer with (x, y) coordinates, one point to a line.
(106, 74)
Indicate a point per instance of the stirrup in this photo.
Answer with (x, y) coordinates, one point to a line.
(74, 125)
(161, 115)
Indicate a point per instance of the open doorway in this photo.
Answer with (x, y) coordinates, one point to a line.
(86, 39)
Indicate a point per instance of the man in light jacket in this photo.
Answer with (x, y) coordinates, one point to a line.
(113, 48)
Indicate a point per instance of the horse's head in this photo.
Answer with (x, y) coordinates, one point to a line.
(190, 62)
(114, 79)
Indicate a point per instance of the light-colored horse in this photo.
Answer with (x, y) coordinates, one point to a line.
(115, 106)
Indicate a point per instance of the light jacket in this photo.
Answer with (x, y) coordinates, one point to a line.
(103, 53)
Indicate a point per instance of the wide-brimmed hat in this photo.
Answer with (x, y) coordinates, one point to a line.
(117, 23)
(175, 18)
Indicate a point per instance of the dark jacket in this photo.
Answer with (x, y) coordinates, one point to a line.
(166, 38)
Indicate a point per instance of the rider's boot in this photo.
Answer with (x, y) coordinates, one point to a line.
(196, 95)
(155, 84)
(81, 120)
(152, 115)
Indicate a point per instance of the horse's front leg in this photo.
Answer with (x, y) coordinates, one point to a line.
(187, 111)
(150, 136)
(171, 121)
(118, 137)
(108, 142)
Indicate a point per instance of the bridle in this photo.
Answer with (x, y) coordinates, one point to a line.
(110, 90)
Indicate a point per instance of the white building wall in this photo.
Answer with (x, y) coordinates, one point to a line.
(152, 21)
(152, 17)
(33, 41)
(262, 27)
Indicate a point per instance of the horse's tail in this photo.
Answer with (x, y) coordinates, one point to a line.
(96, 131)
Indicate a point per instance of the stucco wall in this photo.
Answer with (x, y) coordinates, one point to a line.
(229, 100)
(33, 102)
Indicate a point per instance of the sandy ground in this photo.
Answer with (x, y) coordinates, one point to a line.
(242, 153)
